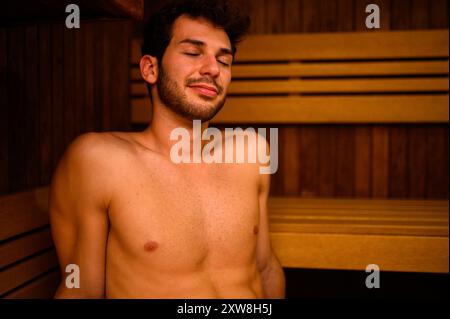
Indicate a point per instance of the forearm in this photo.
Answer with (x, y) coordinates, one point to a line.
(273, 280)
(75, 293)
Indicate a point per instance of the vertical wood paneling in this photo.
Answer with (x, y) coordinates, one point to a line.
(45, 103)
(106, 82)
(58, 100)
(398, 162)
(419, 14)
(311, 16)
(291, 159)
(292, 16)
(363, 161)
(31, 116)
(309, 152)
(119, 94)
(400, 15)
(437, 152)
(328, 15)
(4, 115)
(274, 10)
(79, 76)
(380, 163)
(327, 161)
(438, 17)
(89, 59)
(417, 160)
(258, 16)
(69, 105)
(16, 93)
(52, 78)
(345, 15)
(345, 170)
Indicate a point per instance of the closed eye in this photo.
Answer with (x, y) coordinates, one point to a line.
(223, 63)
(192, 54)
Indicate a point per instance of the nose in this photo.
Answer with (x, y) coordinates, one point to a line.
(209, 66)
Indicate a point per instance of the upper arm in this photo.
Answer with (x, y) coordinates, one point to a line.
(263, 246)
(78, 215)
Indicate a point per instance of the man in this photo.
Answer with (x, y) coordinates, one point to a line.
(139, 225)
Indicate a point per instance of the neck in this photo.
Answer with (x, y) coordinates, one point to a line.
(163, 122)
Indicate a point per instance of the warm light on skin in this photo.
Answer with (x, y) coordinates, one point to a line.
(198, 50)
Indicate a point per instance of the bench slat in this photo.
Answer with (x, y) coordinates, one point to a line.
(355, 252)
(334, 69)
(345, 45)
(25, 246)
(359, 203)
(331, 226)
(23, 212)
(333, 109)
(339, 86)
(27, 270)
(42, 288)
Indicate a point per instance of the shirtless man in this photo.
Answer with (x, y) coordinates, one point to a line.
(139, 225)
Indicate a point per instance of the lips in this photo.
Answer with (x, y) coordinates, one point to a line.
(204, 89)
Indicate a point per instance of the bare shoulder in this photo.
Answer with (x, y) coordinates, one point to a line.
(89, 163)
(98, 149)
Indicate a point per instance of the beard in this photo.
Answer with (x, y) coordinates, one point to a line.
(175, 99)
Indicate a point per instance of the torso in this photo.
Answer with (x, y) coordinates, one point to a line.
(180, 230)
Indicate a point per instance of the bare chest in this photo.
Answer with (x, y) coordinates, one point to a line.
(175, 221)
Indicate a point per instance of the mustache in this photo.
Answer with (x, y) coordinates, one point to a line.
(205, 80)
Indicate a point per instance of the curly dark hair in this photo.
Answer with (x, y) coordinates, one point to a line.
(221, 13)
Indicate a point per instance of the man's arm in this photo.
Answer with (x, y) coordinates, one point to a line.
(78, 216)
(272, 274)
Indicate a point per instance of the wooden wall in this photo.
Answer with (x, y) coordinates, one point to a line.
(379, 161)
(56, 83)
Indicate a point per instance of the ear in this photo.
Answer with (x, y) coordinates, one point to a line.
(149, 68)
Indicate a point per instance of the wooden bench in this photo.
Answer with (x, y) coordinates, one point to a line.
(396, 235)
(352, 77)
(28, 262)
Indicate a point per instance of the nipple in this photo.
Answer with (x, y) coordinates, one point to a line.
(151, 246)
(255, 229)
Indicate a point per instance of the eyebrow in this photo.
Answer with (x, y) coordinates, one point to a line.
(199, 43)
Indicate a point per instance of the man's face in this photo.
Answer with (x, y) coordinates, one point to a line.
(196, 69)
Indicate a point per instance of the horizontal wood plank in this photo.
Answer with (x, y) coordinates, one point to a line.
(18, 274)
(334, 109)
(22, 247)
(355, 252)
(339, 86)
(22, 212)
(357, 45)
(42, 288)
(337, 69)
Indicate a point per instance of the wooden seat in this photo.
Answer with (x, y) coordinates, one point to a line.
(352, 77)
(28, 261)
(397, 235)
